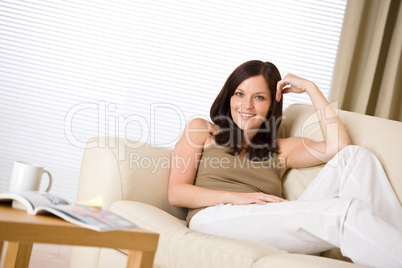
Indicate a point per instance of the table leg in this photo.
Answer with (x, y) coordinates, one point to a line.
(140, 259)
(18, 255)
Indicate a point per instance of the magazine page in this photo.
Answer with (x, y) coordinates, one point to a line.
(37, 199)
(30, 200)
(17, 201)
(90, 217)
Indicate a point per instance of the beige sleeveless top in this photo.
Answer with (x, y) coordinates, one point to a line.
(219, 170)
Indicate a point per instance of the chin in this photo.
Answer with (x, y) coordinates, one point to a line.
(245, 127)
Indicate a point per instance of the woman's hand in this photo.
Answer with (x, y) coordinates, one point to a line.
(292, 83)
(300, 151)
(253, 198)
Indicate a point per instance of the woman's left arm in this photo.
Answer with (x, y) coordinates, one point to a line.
(303, 152)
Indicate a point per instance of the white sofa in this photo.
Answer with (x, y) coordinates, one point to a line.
(135, 187)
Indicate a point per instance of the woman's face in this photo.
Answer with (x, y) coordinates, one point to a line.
(250, 103)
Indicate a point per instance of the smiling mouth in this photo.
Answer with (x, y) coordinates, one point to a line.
(246, 115)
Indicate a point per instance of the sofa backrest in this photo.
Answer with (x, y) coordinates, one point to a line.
(120, 169)
(380, 136)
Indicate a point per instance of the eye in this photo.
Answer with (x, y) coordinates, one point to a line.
(239, 94)
(260, 98)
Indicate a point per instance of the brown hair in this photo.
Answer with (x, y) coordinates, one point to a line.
(263, 143)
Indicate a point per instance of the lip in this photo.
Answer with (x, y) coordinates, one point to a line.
(246, 115)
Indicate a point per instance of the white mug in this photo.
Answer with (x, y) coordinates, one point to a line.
(27, 177)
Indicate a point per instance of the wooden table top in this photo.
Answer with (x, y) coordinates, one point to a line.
(17, 225)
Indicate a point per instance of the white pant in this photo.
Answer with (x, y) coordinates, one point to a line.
(350, 205)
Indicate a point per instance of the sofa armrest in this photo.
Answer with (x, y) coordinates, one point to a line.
(99, 175)
(118, 169)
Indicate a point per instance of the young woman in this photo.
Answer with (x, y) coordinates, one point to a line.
(229, 175)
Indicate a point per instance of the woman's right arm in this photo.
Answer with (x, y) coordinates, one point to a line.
(181, 190)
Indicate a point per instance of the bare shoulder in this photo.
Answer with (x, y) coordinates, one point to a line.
(198, 132)
(201, 124)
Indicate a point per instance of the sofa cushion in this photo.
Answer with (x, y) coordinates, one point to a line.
(301, 261)
(181, 247)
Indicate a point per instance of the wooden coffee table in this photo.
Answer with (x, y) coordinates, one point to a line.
(22, 230)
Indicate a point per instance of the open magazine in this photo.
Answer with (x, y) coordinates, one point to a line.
(94, 218)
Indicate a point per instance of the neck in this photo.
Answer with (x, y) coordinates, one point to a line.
(248, 136)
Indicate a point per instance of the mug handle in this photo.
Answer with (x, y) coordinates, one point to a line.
(50, 180)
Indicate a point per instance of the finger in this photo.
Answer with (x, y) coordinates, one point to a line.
(279, 87)
(260, 202)
(275, 199)
(281, 200)
(262, 198)
(286, 90)
(277, 93)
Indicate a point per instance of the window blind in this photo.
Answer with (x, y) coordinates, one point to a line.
(71, 70)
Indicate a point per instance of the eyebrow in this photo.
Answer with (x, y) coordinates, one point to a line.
(262, 92)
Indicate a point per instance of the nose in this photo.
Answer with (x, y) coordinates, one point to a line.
(247, 103)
